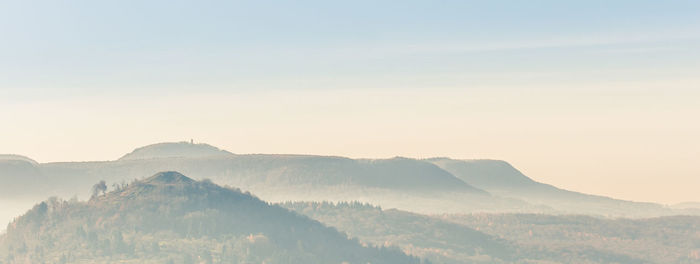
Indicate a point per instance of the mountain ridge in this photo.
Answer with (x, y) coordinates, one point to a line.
(485, 186)
(10, 157)
(175, 149)
(497, 177)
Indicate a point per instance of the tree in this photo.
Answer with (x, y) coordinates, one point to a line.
(99, 187)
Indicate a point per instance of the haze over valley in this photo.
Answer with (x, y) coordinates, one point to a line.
(436, 185)
(408, 205)
(350, 132)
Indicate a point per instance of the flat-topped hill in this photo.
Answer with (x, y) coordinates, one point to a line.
(14, 157)
(175, 150)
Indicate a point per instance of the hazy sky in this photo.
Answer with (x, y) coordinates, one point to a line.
(601, 97)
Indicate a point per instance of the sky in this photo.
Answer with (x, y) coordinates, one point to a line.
(601, 97)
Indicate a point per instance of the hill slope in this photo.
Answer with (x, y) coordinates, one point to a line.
(175, 149)
(205, 161)
(171, 218)
(426, 186)
(500, 178)
(489, 174)
(586, 239)
(456, 239)
(18, 174)
(263, 172)
(6, 157)
(423, 236)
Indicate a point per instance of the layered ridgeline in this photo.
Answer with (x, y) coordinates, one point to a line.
(424, 186)
(202, 160)
(515, 238)
(398, 182)
(502, 179)
(662, 240)
(170, 218)
(17, 173)
(427, 237)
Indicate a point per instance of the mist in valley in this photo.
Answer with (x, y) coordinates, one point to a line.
(435, 210)
(357, 132)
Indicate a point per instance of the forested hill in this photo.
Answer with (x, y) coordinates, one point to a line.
(20, 177)
(502, 179)
(170, 218)
(9, 157)
(438, 185)
(176, 150)
(461, 238)
(255, 172)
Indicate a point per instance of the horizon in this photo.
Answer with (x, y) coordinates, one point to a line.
(322, 155)
(387, 132)
(591, 96)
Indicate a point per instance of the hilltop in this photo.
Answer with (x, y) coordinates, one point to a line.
(175, 150)
(486, 174)
(263, 172)
(439, 185)
(19, 173)
(14, 157)
(170, 218)
(502, 179)
(513, 238)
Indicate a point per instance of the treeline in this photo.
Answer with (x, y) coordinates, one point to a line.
(297, 205)
(177, 220)
(671, 239)
(515, 238)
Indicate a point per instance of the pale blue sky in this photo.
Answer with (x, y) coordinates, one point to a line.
(587, 95)
(52, 48)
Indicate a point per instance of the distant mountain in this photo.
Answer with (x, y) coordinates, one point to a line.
(404, 183)
(487, 174)
(170, 218)
(399, 182)
(18, 174)
(6, 157)
(261, 171)
(425, 186)
(463, 238)
(502, 179)
(175, 150)
(21, 185)
(396, 173)
(424, 236)
(205, 161)
(687, 205)
(586, 239)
